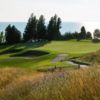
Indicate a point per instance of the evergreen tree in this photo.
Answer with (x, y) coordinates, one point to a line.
(30, 30)
(68, 36)
(57, 26)
(75, 35)
(50, 29)
(41, 28)
(12, 34)
(88, 35)
(53, 29)
(1, 37)
(96, 34)
(82, 34)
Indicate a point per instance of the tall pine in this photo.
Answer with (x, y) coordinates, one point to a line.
(30, 30)
(82, 34)
(12, 34)
(41, 28)
(53, 29)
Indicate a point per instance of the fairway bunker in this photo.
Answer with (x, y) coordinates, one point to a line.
(9, 51)
(31, 53)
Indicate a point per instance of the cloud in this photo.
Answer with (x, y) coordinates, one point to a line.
(68, 10)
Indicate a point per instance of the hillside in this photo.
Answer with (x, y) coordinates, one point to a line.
(93, 57)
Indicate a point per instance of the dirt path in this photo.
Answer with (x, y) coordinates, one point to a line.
(74, 64)
(59, 58)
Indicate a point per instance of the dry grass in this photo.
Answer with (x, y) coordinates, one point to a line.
(15, 83)
(20, 84)
(93, 57)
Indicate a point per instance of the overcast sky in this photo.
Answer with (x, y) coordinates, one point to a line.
(68, 10)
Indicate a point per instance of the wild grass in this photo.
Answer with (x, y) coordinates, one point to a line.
(93, 58)
(18, 84)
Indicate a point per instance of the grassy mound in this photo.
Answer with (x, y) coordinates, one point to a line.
(34, 55)
(9, 51)
(18, 84)
(31, 53)
(93, 57)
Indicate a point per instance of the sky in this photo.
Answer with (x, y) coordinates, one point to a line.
(68, 10)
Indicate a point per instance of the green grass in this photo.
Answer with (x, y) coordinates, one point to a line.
(72, 48)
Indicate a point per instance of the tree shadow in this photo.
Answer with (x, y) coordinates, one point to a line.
(17, 48)
(10, 50)
(31, 53)
(34, 44)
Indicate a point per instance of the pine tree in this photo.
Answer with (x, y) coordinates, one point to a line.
(1, 37)
(12, 34)
(41, 28)
(82, 34)
(88, 35)
(54, 28)
(30, 30)
(57, 28)
(50, 29)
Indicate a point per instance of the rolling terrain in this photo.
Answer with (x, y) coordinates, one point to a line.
(39, 71)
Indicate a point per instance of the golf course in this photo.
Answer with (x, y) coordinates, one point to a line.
(40, 54)
(43, 64)
(40, 71)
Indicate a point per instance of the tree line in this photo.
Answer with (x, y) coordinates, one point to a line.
(78, 35)
(37, 30)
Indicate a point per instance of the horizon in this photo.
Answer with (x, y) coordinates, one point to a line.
(66, 26)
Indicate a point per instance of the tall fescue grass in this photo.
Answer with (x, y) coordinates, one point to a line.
(18, 84)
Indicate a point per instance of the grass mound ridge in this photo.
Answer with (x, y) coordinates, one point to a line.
(93, 57)
(31, 53)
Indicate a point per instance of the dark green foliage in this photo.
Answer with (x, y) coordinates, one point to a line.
(96, 33)
(69, 36)
(30, 30)
(53, 29)
(1, 37)
(88, 35)
(75, 35)
(82, 34)
(41, 28)
(50, 29)
(12, 34)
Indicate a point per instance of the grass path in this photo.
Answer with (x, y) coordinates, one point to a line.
(59, 58)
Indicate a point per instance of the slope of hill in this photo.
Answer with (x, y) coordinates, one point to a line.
(93, 57)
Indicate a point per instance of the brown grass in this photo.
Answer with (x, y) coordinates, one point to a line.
(93, 58)
(22, 84)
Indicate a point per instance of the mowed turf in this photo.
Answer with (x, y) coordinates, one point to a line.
(50, 50)
(71, 47)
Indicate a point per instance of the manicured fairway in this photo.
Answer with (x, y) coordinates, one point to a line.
(71, 47)
(50, 50)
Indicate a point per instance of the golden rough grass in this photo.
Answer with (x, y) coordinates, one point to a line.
(21, 84)
(15, 83)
